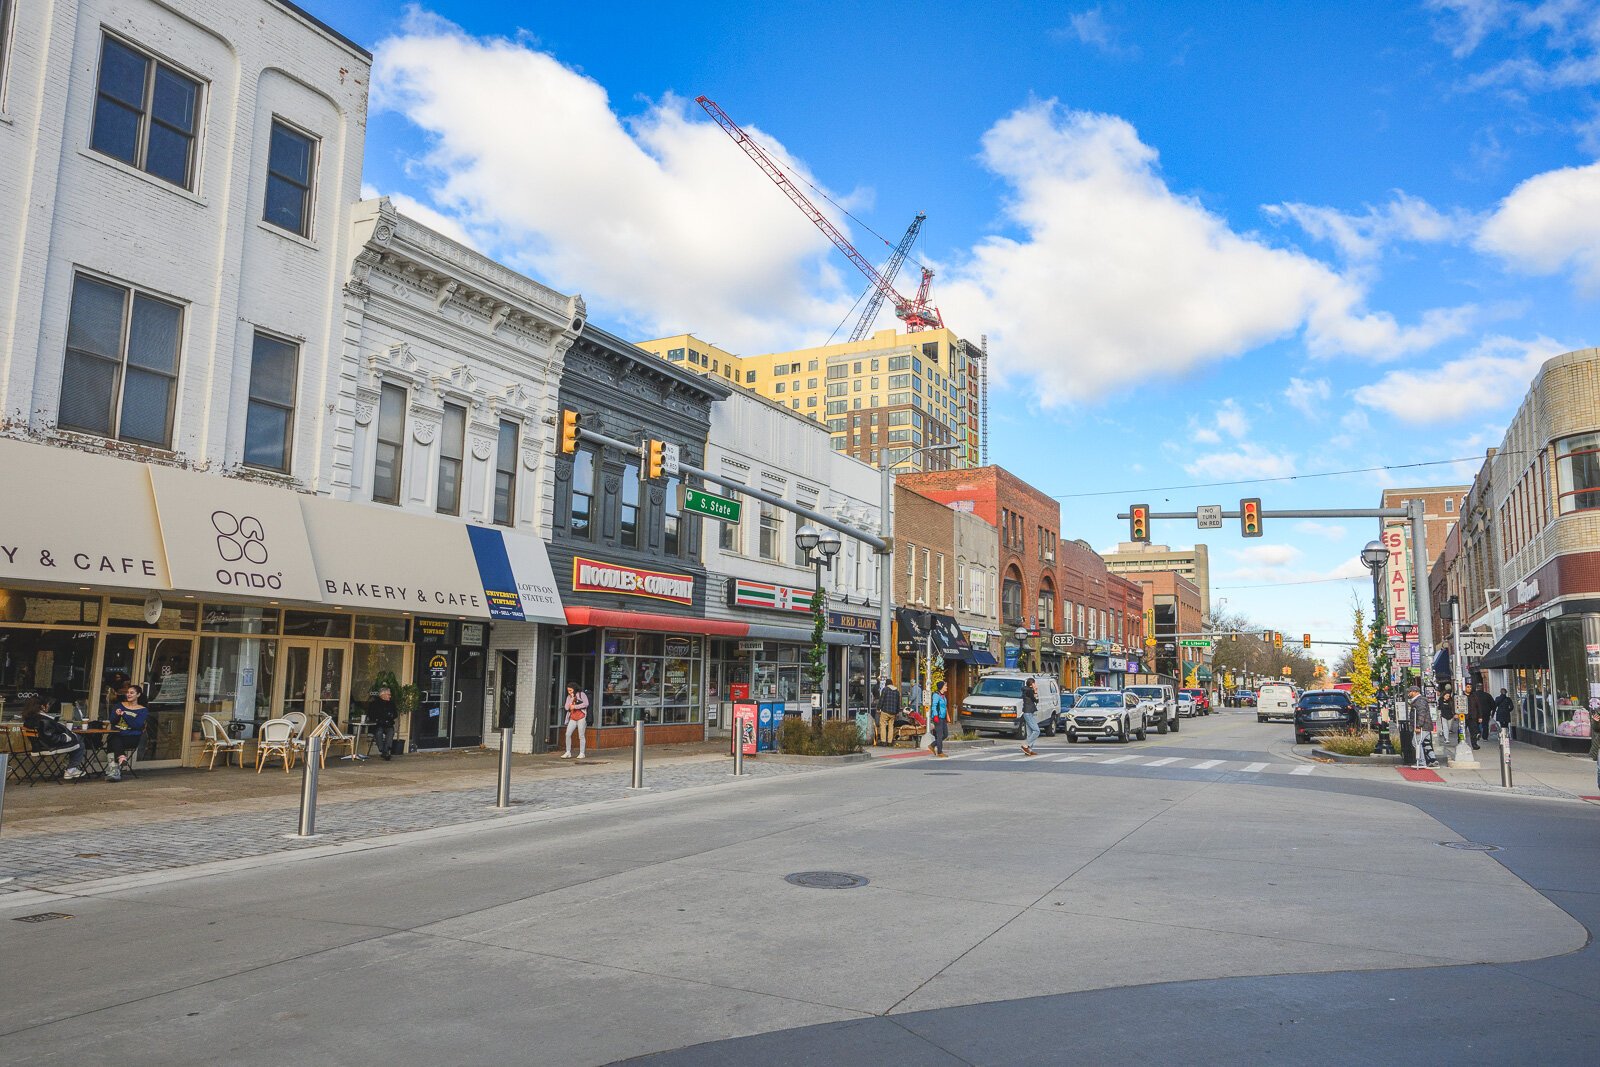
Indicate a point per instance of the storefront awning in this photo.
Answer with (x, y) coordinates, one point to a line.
(1522, 646)
(980, 657)
(945, 633)
(802, 634)
(641, 620)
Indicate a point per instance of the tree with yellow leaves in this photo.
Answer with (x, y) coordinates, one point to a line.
(1361, 691)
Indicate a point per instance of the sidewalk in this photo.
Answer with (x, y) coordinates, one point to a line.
(56, 835)
(1535, 771)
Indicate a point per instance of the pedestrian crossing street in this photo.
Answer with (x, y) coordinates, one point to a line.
(1130, 762)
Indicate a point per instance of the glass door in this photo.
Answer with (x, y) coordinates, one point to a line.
(466, 697)
(315, 680)
(167, 669)
(297, 674)
(329, 695)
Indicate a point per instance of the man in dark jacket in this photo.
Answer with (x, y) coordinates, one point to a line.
(1480, 709)
(888, 710)
(1502, 709)
(383, 713)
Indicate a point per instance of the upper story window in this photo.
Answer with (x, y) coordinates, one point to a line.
(580, 522)
(1011, 602)
(269, 418)
(728, 535)
(391, 444)
(672, 522)
(146, 113)
(505, 474)
(1578, 472)
(291, 160)
(771, 545)
(121, 373)
(452, 454)
(628, 525)
(5, 47)
(1449, 504)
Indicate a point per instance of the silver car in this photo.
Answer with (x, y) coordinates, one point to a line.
(1107, 714)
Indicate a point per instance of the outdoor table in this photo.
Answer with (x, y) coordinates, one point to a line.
(94, 751)
(357, 728)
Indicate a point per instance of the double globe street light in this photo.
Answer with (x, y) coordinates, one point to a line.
(820, 547)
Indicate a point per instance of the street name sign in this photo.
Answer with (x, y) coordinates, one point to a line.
(1194, 642)
(711, 505)
(1208, 516)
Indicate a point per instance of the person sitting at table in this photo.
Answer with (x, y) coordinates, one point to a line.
(127, 729)
(49, 735)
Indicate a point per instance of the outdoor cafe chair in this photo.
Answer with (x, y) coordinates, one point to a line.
(333, 735)
(29, 764)
(217, 742)
(276, 739)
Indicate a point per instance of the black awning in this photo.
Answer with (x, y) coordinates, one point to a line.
(918, 626)
(980, 657)
(1522, 646)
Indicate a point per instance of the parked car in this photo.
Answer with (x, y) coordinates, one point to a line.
(1163, 706)
(994, 704)
(1108, 713)
(1275, 701)
(1186, 706)
(1243, 698)
(1202, 700)
(1323, 711)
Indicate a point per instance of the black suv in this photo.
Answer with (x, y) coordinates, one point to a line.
(1323, 711)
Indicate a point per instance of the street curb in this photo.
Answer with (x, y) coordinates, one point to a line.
(794, 760)
(1357, 761)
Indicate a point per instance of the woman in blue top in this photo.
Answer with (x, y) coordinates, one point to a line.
(127, 729)
(939, 716)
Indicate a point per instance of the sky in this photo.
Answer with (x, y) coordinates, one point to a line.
(1253, 243)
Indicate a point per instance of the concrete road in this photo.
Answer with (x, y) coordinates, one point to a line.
(1050, 910)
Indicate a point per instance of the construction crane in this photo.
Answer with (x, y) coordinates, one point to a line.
(891, 270)
(915, 312)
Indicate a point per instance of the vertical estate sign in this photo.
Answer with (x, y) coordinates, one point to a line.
(1397, 577)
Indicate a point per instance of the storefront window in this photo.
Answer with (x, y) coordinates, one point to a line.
(381, 628)
(234, 681)
(1578, 472)
(55, 664)
(236, 619)
(175, 615)
(315, 624)
(1576, 671)
(370, 661)
(650, 678)
(1530, 695)
(24, 605)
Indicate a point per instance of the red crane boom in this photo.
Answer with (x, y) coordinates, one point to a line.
(917, 313)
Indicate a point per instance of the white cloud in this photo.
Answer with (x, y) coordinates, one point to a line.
(1474, 19)
(1331, 530)
(1558, 41)
(1493, 376)
(1116, 278)
(656, 218)
(1364, 236)
(1202, 435)
(1247, 460)
(1550, 223)
(1305, 394)
(1092, 28)
(1268, 555)
(1230, 419)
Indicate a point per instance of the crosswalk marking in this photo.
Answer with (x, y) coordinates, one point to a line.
(1115, 759)
(1302, 770)
(1207, 764)
(1140, 760)
(1162, 762)
(1003, 755)
(1254, 768)
(1069, 759)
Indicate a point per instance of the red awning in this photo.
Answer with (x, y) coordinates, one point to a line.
(642, 620)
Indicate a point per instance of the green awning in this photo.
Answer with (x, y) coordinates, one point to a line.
(1203, 673)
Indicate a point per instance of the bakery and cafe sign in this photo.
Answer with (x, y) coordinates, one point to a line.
(746, 594)
(597, 576)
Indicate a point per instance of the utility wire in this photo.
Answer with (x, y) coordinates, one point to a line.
(1307, 581)
(1285, 477)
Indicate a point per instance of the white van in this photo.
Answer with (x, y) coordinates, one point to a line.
(994, 704)
(1275, 701)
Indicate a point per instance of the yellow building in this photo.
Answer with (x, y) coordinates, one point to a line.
(892, 390)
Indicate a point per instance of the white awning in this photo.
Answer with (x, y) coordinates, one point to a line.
(75, 517)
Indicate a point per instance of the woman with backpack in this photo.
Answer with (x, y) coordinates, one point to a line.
(577, 708)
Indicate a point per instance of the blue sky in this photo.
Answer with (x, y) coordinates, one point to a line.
(1208, 242)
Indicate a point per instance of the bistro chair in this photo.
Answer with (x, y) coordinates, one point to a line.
(333, 735)
(318, 731)
(14, 743)
(217, 742)
(274, 739)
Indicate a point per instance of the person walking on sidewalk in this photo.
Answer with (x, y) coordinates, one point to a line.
(1480, 712)
(1030, 717)
(383, 714)
(939, 715)
(577, 705)
(1502, 710)
(888, 712)
(1413, 726)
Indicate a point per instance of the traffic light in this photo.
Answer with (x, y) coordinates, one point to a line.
(1287, 671)
(1266, 637)
(655, 458)
(1305, 642)
(1139, 523)
(1250, 516)
(569, 431)
(1233, 637)
(1277, 639)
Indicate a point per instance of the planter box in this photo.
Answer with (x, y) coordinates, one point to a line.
(784, 757)
(1376, 761)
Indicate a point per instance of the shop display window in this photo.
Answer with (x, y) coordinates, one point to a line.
(650, 678)
(55, 664)
(234, 682)
(175, 615)
(238, 619)
(1575, 672)
(315, 624)
(381, 628)
(27, 605)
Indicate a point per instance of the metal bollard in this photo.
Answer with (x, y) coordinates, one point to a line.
(638, 754)
(1505, 757)
(738, 754)
(308, 789)
(502, 797)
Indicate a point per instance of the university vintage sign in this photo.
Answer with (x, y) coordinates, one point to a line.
(747, 594)
(598, 576)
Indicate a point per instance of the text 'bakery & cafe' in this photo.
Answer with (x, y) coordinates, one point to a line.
(243, 601)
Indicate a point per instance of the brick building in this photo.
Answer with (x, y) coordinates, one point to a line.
(1175, 603)
(1029, 524)
(1102, 618)
(1441, 508)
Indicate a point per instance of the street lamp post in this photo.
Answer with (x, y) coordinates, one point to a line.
(820, 547)
(886, 570)
(1374, 556)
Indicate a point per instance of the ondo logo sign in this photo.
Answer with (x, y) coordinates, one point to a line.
(242, 541)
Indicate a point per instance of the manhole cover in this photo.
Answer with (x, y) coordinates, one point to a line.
(42, 917)
(1470, 846)
(825, 880)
